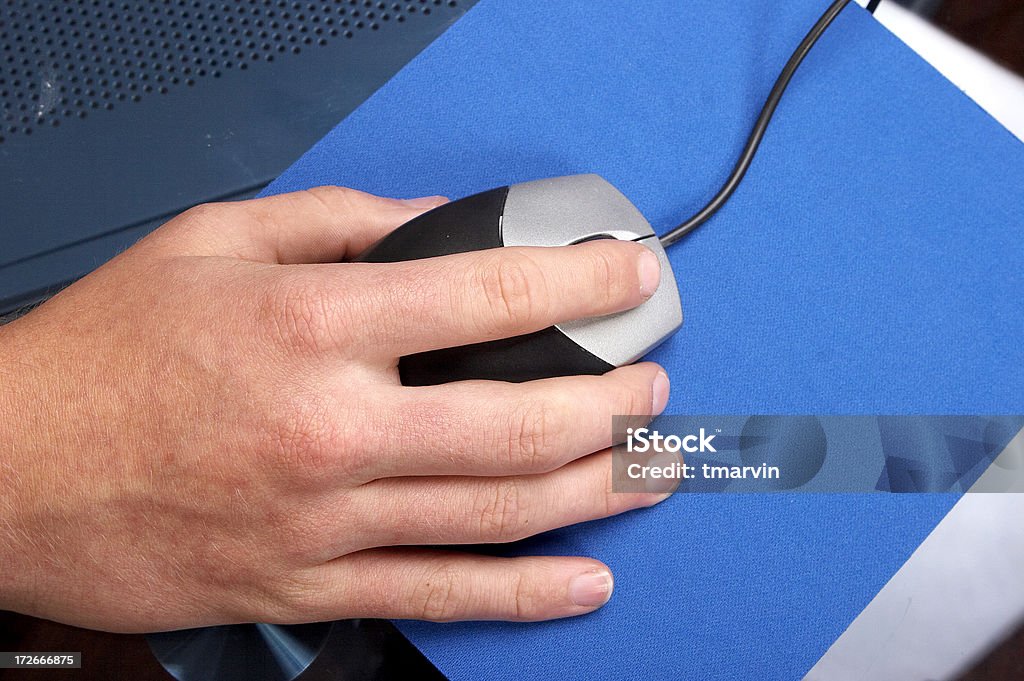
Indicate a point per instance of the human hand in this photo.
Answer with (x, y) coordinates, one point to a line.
(211, 429)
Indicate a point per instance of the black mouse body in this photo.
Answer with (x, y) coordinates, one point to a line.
(553, 212)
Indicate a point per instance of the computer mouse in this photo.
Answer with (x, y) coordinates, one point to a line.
(554, 212)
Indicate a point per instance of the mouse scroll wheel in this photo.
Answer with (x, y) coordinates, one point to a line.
(593, 237)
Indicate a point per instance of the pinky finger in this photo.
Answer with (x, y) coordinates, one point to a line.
(444, 586)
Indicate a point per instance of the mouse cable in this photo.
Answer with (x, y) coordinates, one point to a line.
(759, 127)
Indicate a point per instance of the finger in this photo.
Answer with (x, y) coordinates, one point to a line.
(476, 510)
(443, 586)
(491, 428)
(466, 298)
(323, 224)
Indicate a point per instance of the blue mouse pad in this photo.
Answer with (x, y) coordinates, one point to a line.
(869, 264)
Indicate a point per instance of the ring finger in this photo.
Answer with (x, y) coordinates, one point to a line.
(467, 510)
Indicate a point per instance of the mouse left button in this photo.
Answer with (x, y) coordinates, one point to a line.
(625, 337)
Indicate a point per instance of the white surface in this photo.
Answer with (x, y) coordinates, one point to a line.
(995, 88)
(959, 594)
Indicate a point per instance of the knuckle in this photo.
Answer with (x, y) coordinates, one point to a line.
(437, 598)
(202, 213)
(293, 598)
(336, 200)
(513, 289)
(196, 221)
(221, 563)
(613, 275)
(304, 438)
(610, 498)
(635, 400)
(228, 569)
(522, 599)
(535, 434)
(501, 512)
(307, 530)
(298, 314)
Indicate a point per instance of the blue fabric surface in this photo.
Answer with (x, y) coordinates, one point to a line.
(870, 263)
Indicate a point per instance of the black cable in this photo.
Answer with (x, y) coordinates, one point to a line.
(759, 127)
(873, 5)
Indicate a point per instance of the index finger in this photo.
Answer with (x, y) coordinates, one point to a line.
(465, 298)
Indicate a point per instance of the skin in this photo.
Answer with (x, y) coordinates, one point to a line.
(211, 429)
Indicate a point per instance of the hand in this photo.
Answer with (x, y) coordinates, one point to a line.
(205, 431)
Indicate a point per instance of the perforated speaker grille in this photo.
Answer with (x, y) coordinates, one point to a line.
(60, 60)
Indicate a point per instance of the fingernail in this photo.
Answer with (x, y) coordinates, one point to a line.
(424, 202)
(591, 589)
(659, 495)
(650, 273)
(660, 489)
(659, 392)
